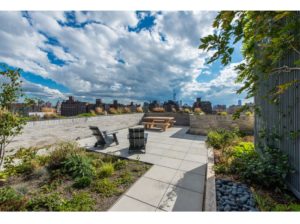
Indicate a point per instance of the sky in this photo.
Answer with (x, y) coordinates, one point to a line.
(125, 55)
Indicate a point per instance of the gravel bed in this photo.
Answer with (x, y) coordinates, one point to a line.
(232, 196)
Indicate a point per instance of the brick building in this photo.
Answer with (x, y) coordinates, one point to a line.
(204, 105)
(71, 107)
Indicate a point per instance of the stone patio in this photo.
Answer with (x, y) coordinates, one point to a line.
(176, 180)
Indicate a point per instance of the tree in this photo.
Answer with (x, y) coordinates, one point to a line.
(11, 123)
(266, 36)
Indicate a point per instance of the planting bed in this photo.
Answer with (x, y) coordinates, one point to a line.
(72, 180)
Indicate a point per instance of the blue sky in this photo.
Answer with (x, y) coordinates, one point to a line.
(129, 56)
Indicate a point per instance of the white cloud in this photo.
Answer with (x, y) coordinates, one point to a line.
(103, 59)
(41, 91)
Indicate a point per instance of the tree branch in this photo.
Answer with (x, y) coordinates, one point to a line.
(284, 68)
(297, 51)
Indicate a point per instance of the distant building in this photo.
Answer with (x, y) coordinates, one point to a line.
(219, 108)
(71, 107)
(170, 106)
(153, 104)
(146, 107)
(93, 106)
(239, 102)
(115, 104)
(204, 105)
(233, 108)
(132, 106)
(24, 109)
(58, 107)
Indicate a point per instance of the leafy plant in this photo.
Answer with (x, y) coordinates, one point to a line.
(106, 170)
(10, 200)
(23, 162)
(48, 116)
(78, 166)
(105, 187)
(198, 111)
(126, 110)
(112, 110)
(222, 113)
(79, 202)
(221, 138)
(139, 110)
(87, 114)
(158, 109)
(268, 169)
(42, 202)
(186, 110)
(82, 182)
(11, 124)
(125, 179)
(120, 164)
(99, 111)
(289, 207)
(61, 152)
(274, 33)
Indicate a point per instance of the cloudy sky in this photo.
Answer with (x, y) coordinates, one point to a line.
(129, 56)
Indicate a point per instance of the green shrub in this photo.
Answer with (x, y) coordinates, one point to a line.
(61, 152)
(82, 182)
(79, 202)
(105, 187)
(10, 200)
(106, 170)
(288, 207)
(120, 164)
(22, 162)
(78, 166)
(268, 169)
(222, 113)
(42, 202)
(92, 114)
(186, 110)
(241, 155)
(125, 179)
(221, 138)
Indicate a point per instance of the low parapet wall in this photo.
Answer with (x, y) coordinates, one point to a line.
(201, 124)
(46, 132)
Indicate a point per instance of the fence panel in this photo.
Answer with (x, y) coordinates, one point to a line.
(278, 124)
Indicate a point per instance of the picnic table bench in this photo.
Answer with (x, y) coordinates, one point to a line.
(159, 122)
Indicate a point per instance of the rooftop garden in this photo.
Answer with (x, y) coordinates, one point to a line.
(263, 170)
(66, 178)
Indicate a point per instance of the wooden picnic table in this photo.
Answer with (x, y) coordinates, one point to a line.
(160, 122)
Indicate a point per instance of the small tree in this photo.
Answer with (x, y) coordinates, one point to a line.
(11, 123)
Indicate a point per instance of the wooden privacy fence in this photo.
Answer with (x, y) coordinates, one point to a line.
(279, 124)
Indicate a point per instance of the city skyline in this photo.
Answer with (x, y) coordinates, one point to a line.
(129, 56)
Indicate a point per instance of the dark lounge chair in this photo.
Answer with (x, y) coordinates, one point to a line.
(137, 139)
(104, 138)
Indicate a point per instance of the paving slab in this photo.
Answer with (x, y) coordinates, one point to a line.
(148, 190)
(161, 173)
(179, 199)
(194, 167)
(126, 203)
(169, 162)
(189, 181)
(196, 158)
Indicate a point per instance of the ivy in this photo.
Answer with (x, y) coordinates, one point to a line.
(267, 37)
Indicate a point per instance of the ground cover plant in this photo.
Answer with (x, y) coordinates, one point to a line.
(264, 170)
(67, 178)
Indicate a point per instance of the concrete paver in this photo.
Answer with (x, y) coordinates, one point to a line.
(176, 180)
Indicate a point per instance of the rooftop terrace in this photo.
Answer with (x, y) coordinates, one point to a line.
(176, 180)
